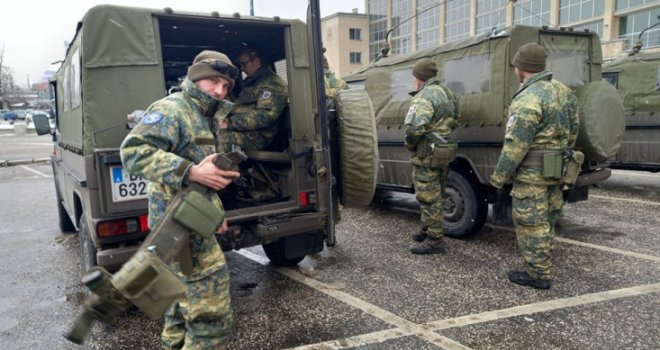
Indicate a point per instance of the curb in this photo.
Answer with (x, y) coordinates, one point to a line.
(6, 163)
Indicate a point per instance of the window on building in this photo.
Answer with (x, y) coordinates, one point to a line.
(355, 34)
(571, 11)
(632, 25)
(490, 14)
(532, 12)
(403, 29)
(457, 18)
(626, 4)
(595, 27)
(356, 57)
(428, 21)
(377, 26)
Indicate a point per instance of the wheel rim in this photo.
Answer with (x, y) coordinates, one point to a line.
(454, 205)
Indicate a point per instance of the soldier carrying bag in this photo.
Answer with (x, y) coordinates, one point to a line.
(557, 165)
(442, 152)
(442, 155)
(573, 162)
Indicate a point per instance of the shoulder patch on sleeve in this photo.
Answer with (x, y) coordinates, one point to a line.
(410, 114)
(152, 118)
(266, 94)
(512, 119)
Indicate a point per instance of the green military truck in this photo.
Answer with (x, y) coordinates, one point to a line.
(480, 71)
(122, 59)
(637, 78)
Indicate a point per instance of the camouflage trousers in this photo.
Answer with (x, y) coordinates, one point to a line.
(429, 189)
(202, 319)
(535, 210)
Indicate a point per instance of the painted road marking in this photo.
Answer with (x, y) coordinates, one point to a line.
(34, 171)
(637, 201)
(405, 327)
(426, 331)
(545, 306)
(590, 245)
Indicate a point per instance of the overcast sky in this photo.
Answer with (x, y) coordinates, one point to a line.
(33, 32)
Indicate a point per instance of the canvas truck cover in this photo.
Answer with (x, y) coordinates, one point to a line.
(114, 60)
(640, 86)
(478, 70)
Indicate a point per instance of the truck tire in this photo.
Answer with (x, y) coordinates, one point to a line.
(358, 148)
(602, 120)
(87, 248)
(65, 223)
(466, 206)
(275, 252)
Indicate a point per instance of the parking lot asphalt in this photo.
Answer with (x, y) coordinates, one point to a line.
(369, 292)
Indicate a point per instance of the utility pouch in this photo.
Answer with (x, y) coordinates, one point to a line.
(147, 282)
(575, 160)
(198, 214)
(443, 154)
(552, 165)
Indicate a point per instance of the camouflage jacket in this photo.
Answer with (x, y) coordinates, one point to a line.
(333, 84)
(433, 111)
(174, 133)
(252, 123)
(543, 116)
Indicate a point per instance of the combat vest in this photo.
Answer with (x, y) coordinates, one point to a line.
(439, 126)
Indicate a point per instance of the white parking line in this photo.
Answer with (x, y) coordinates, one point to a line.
(544, 306)
(426, 331)
(589, 245)
(608, 249)
(637, 201)
(405, 327)
(629, 173)
(34, 171)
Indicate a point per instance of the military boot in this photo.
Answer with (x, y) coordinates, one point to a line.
(419, 236)
(524, 279)
(429, 246)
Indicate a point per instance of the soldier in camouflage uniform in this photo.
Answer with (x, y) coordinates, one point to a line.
(429, 122)
(543, 119)
(253, 121)
(332, 84)
(172, 146)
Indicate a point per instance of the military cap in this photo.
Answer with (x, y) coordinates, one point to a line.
(209, 64)
(425, 69)
(530, 58)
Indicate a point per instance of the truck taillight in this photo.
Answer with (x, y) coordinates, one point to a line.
(122, 226)
(144, 223)
(307, 198)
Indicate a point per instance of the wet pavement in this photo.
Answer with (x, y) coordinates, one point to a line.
(368, 292)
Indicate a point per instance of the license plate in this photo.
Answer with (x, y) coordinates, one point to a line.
(126, 187)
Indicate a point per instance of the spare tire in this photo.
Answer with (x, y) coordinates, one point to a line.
(358, 148)
(602, 122)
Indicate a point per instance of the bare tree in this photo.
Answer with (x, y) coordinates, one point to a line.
(2, 55)
(10, 93)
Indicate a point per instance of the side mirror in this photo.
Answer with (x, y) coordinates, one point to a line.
(41, 124)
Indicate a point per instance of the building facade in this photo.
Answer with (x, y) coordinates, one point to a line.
(346, 40)
(420, 24)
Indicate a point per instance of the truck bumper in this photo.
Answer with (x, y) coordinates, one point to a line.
(593, 177)
(113, 259)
